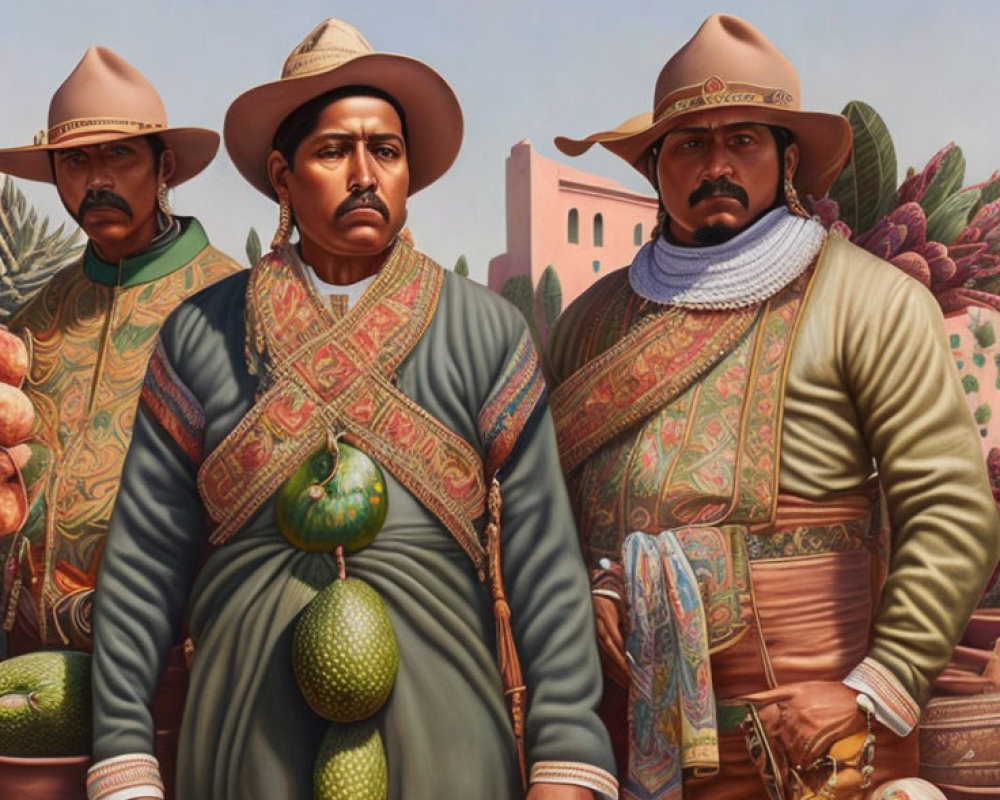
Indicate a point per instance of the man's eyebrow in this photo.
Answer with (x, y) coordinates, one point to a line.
(343, 136)
(730, 126)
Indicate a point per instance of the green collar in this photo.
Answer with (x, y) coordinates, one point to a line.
(150, 265)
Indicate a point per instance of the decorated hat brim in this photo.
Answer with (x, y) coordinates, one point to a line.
(433, 115)
(824, 141)
(194, 149)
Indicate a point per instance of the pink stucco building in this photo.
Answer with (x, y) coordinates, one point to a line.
(581, 225)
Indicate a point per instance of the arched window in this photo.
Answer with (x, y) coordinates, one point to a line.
(598, 230)
(573, 226)
(597, 266)
(637, 234)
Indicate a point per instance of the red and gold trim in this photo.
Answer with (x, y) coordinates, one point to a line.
(320, 373)
(577, 774)
(651, 366)
(171, 404)
(714, 91)
(80, 127)
(124, 772)
(506, 413)
(894, 707)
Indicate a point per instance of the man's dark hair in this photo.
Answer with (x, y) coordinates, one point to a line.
(782, 138)
(302, 121)
(158, 146)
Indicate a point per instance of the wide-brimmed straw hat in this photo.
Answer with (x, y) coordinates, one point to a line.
(104, 99)
(335, 55)
(728, 63)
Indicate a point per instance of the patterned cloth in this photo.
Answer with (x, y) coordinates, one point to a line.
(672, 723)
(90, 333)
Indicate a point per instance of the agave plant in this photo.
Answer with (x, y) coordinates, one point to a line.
(29, 253)
(947, 237)
(944, 235)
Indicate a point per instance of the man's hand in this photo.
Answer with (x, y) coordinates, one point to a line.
(805, 719)
(558, 791)
(611, 640)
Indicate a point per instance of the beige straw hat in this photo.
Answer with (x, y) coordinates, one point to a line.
(728, 63)
(105, 98)
(335, 55)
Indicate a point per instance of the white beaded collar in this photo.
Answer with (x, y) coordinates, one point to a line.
(749, 268)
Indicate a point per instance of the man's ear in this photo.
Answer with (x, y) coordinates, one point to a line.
(791, 160)
(167, 166)
(277, 173)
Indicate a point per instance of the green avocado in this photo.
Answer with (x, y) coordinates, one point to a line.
(351, 764)
(344, 652)
(45, 704)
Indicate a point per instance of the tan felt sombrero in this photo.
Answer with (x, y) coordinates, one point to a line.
(728, 63)
(335, 55)
(105, 98)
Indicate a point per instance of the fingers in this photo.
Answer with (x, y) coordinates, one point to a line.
(610, 641)
(613, 663)
(805, 719)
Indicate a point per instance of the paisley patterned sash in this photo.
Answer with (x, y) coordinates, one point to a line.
(320, 372)
(657, 361)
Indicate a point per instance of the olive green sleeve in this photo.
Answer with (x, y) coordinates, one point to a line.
(891, 351)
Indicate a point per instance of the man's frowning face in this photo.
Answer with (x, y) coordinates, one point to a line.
(110, 190)
(717, 174)
(349, 179)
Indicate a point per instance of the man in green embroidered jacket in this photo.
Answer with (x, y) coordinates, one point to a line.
(721, 406)
(89, 333)
(352, 349)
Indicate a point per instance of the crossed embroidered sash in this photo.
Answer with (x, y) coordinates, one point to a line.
(319, 372)
(657, 361)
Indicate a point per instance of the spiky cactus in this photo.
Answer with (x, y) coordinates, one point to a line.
(29, 253)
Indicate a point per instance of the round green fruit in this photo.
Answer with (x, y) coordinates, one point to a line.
(337, 497)
(344, 652)
(45, 704)
(351, 764)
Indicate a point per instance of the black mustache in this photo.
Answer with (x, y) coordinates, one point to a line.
(363, 198)
(103, 198)
(720, 187)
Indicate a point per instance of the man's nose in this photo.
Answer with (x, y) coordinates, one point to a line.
(362, 174)
(718, 161)
(98, 177)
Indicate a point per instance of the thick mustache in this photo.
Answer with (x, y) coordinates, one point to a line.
(365, 198)
(720, 187)
(104, 198)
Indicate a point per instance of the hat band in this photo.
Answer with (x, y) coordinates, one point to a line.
(81, 127)
(716, 92)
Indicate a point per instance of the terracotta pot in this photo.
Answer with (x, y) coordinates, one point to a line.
(44, 778)
(960, 745)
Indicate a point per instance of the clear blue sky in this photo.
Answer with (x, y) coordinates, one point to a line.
(522, 69)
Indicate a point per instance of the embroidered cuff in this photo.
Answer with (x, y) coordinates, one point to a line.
(894, 707)
(125, 777)
(577, 774)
